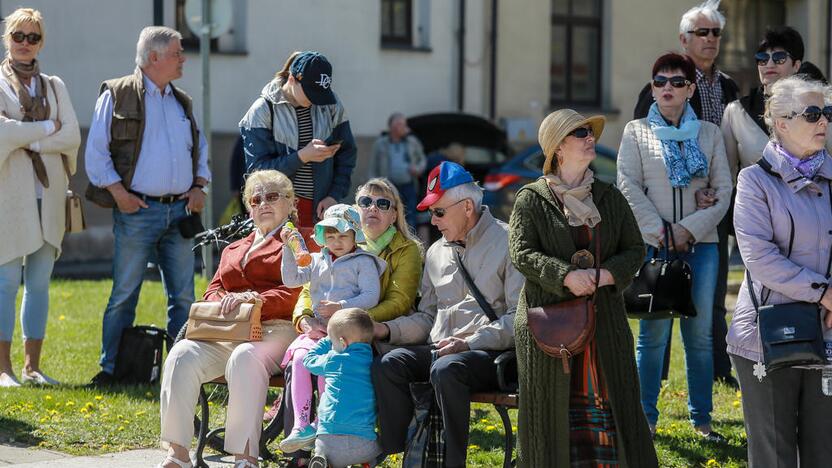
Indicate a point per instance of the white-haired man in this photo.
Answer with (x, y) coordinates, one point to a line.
(147, 160)
(452, 339)
(700, 33)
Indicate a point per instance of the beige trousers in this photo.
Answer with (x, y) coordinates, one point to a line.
(247, 368)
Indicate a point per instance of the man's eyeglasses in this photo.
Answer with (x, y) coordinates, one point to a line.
(19, 36)
(270, 198)
(812, 114)
(778, 57)
(382, 204)
(581, 132)
(703, 32)
(440, 212)
(676, 81)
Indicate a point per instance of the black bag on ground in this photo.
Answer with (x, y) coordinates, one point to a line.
(425, 435)
(662, 287)
(139, 358)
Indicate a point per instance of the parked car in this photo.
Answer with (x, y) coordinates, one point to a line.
(502, 183)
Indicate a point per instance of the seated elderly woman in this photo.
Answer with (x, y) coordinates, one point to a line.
(783, 231)
(249, 269)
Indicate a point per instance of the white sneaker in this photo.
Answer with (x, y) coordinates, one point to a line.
(7, 380)
(38, 378)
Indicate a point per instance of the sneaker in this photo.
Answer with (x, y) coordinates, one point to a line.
(102, 379)
(8, 380)
(298, 439)
(272, 412)
(712, 436)
(318, 461)
(38, 378)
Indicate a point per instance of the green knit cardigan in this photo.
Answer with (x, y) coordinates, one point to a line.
(540, 246)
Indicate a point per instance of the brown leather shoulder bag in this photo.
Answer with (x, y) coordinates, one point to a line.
(563, 330)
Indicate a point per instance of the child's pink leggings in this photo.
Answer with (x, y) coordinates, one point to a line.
(302, 389)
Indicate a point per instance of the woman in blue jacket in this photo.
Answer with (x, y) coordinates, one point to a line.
(299, 127)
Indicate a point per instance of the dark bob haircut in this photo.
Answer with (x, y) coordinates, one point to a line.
(783, 36)
(674, 61)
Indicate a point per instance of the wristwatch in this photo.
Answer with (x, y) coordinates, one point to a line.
(201, 187)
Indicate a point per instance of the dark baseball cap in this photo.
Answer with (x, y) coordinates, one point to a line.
(314, 73)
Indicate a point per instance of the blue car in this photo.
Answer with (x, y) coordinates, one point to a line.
(502, 183)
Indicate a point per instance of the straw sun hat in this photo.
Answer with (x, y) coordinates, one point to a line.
(556, 126)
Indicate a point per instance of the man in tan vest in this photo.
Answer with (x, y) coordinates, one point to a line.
(147, 160)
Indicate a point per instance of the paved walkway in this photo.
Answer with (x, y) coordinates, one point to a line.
(13, 455)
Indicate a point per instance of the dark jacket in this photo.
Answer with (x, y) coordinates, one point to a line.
(540, 246)
(730, 92)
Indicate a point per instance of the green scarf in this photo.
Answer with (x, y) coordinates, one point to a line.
(376, 246)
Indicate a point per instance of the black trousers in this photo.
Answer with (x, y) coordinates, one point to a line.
(454, 377)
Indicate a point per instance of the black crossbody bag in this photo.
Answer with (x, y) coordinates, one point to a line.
(790, 333)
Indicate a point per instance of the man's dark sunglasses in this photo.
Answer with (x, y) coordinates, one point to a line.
(778, 57)
(676, 81)
(812, 114)
(440, 212)
(702, 32)
(382, 204)
(33, 38)
(581, 132)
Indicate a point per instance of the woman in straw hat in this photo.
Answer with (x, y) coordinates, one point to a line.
(590, 416)
(663, 160)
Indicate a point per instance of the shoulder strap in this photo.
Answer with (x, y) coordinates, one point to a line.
(484, 305)
(63, 156)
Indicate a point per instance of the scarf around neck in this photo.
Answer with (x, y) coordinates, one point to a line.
(680, 146)
(578, 205)
(807, 167)
(376, 246)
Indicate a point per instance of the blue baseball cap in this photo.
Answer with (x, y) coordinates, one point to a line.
(444, 176)
(343, 218)
(314, 73)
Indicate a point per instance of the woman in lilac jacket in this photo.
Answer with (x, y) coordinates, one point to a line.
(783, 221)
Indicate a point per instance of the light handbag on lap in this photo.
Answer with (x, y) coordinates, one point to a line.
(205, 323)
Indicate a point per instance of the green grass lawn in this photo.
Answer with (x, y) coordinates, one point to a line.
(77, 420)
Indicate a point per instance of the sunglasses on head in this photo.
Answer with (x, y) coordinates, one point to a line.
(676, 81)
(382, 204)
(270, 198)
(19, 36)
(702, 32)
(440, 212)
(812, 114)
(778, 57)
(582, 132)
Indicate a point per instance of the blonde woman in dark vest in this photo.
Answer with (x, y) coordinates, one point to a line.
(38, 137)
(146, 160)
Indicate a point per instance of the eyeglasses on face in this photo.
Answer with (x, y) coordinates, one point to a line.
(702, 32)
(778, 57)
(812, 114)
(32, 38)
(382, 204)
(440, 212)
(582, 132)
(676, 81)
(270, 198)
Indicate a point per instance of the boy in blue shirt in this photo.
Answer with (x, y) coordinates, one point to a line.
(347, 411)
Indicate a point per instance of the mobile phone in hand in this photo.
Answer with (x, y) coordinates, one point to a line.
(336, 142)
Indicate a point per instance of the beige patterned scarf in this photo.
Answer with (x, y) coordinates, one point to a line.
(577, 201)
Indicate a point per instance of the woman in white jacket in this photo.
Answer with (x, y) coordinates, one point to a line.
(39, 141)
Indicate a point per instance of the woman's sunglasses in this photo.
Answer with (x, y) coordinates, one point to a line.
(19, 36)
(676, 81)
(812, 114)
(702, 32)
(581, 132)
(778, 57)
(382, 204)
(270, 198)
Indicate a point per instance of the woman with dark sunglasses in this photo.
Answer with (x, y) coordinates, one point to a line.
(783, 225)
(663, 160)
(39, 141)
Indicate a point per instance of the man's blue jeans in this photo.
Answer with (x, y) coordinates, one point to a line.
(696, 337)
(148, 233)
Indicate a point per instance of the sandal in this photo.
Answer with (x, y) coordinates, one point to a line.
(243, 463)
(175, 461)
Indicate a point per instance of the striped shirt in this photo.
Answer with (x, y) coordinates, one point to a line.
(303, 182)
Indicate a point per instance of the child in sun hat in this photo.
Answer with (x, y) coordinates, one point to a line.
(341, 275)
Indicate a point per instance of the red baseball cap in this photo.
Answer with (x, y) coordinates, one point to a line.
(443, 177)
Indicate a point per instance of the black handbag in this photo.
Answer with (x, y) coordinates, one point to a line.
(662, 287)
(139, 358)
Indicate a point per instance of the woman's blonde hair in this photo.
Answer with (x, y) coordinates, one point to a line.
(21, 16)
(787, 99)
(381, 187)
(283, 74)
(270, 177)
